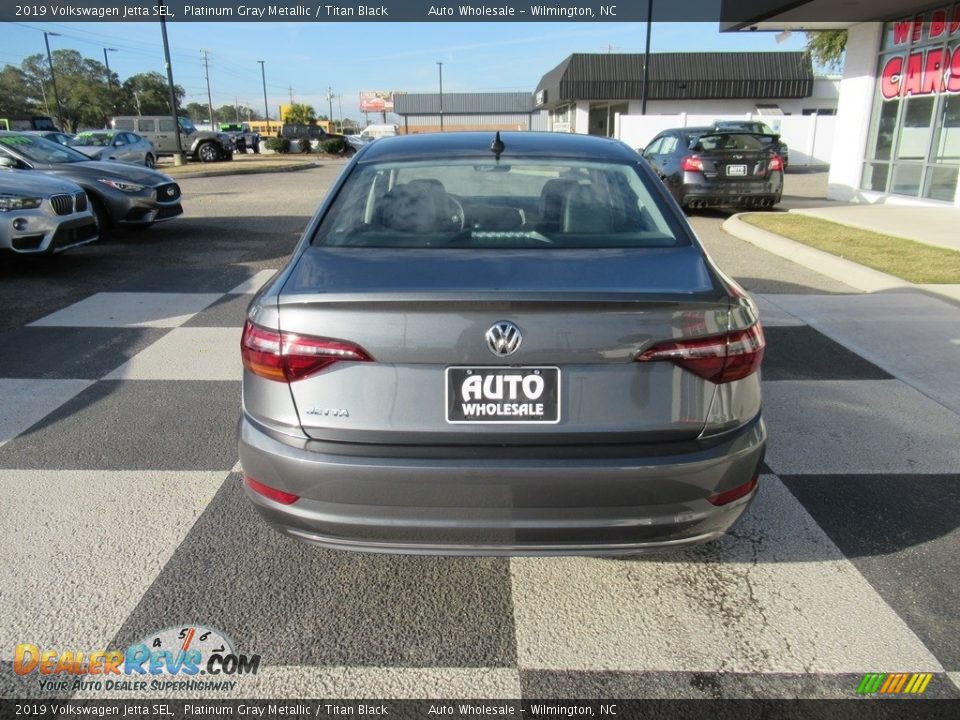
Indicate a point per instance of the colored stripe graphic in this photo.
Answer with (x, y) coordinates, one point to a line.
(894, 683)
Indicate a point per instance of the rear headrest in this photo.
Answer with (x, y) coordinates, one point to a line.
(417, 206)
(551, 198)
(583, 212)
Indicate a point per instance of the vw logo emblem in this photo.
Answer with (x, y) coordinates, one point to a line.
(504, 338)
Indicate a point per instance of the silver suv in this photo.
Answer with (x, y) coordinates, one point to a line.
(40, 214)
(200, 145)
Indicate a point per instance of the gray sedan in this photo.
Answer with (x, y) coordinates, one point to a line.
(113, 145)
(501, 344)
(43, 215)
(121, 194)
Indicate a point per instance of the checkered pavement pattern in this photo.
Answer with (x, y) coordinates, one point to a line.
(122, 515)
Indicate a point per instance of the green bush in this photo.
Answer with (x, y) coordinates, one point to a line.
(280, 145)
(303, 144)
(333, 146)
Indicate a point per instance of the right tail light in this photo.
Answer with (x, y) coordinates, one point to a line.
(719, 359)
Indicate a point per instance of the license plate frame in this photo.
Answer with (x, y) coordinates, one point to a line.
(550, 396)
(736, 170)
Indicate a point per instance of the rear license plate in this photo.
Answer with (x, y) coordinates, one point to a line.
(526, 395)
(736, 169)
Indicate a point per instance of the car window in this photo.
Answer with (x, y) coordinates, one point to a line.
(120, 139)
(148, 125)
(124, 123)
(37, 149)
(166, 125)
(93, 139)
(732, 141)
(479, 203)
(669, 145)
(654, 147)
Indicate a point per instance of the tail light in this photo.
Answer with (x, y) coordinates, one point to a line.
(691, 163)
(719, 359)
(286, 357)
(776, 163)
(284, 498)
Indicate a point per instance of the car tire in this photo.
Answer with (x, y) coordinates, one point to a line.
(256, 148)
(209, 152)
(104, 222)
(150, 161)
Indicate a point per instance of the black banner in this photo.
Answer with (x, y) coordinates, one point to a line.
(861, 709)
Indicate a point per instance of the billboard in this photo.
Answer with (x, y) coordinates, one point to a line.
(376, 101)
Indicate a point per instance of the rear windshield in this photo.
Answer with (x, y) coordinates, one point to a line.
(732, 141)
(479, 203)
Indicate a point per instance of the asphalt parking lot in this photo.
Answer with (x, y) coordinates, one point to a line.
(123, 514)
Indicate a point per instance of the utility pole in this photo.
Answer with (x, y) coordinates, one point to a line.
(646, 60)
(161, 11)
(330, 103)
(340, 111)
(206, 72)
(440, 65)
(236, 104)
(53, 77)
(290, 87)
(266, 109)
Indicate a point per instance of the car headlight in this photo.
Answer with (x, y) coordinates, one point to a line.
(121, 185)
(14, 202)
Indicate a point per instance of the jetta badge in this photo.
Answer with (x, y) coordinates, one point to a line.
(504, 338)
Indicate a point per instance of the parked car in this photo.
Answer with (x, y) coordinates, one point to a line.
(355, 143)
(43, 215)
(243, 137)
(54, 135)
(372, 132)
(120, 194)
(125, 147)
(32, 122)
(501, 344)
(206, 146)
(759, 128)
(703, 167)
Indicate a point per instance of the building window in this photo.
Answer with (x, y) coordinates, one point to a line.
(913, 145)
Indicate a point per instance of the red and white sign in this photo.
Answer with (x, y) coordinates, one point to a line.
(376, 101)
(928, 71)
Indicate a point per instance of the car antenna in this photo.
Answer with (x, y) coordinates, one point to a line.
(497, 146)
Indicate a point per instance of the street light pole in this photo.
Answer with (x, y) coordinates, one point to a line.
(53, 77)
(106, 61)
(266, 108)
(440, 65)
(161, 11)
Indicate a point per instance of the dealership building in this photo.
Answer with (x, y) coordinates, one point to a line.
(899, 103)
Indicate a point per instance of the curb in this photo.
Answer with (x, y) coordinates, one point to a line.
(846, 271)
(225, 172)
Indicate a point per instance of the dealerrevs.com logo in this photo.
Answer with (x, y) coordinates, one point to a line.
(190, 658)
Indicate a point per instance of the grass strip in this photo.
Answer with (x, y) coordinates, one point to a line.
(907, 259)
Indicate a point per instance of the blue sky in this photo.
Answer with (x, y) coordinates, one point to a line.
(349, 57)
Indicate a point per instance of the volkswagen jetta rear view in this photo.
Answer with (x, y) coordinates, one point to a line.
(508, 344)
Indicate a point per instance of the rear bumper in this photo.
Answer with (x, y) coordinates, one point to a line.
(540, 506)
(746, 193)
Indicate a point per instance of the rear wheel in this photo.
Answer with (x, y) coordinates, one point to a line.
(150, 161)
(256, 147)
(208, 152)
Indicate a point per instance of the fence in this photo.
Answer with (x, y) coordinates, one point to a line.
(809, 137)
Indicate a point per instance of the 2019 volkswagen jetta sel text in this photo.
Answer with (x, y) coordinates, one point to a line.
(508, 344)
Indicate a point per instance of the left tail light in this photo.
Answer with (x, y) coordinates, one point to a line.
(719, 359)
(286, 357)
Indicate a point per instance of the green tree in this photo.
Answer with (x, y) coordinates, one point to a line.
(18, 97)
(87, 97)
(147, 94)
(827, 47)
(234, 113)
(197, 112)
(300, 114)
